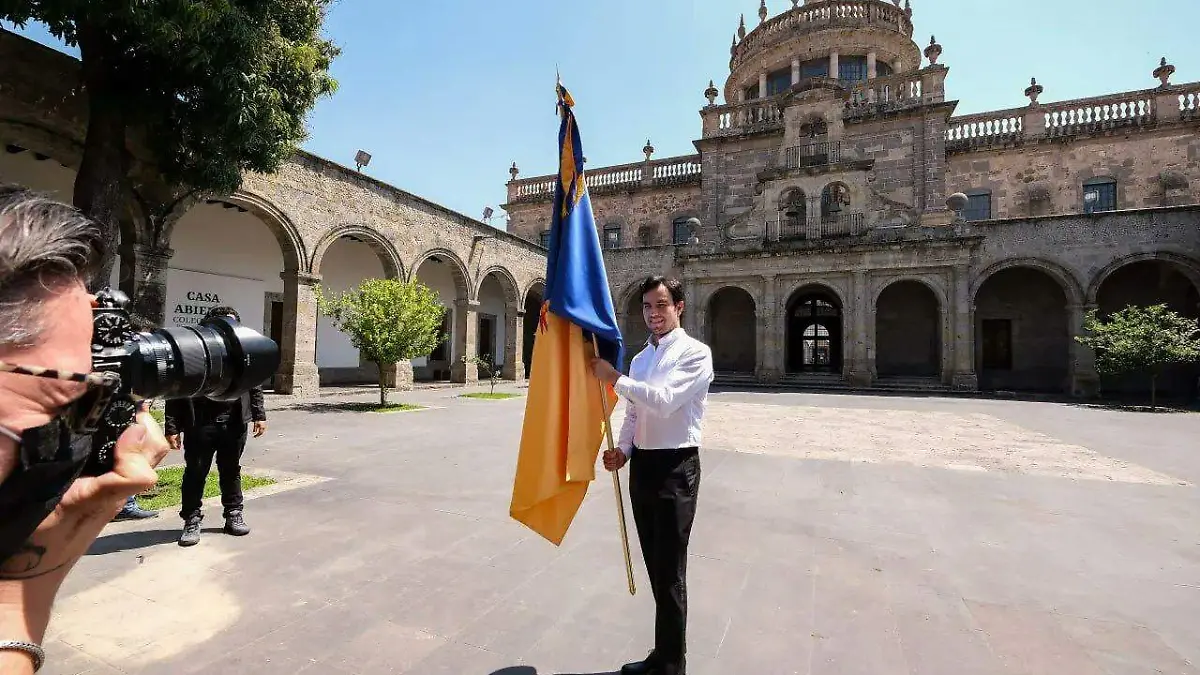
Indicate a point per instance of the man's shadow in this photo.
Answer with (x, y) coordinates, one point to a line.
(529, 670)
(129, 541)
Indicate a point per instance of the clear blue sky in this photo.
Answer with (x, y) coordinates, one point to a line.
(446, 94)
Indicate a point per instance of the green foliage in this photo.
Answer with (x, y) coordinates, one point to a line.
(218, 87)
(168, 491)
(387, 320)
(1141, 340)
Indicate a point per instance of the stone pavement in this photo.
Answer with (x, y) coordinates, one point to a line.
(834, 534)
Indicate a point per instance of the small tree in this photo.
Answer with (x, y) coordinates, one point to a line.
(388, 320)
(487, 366)
(1141, 339)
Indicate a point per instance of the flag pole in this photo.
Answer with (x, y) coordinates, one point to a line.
(616, 479)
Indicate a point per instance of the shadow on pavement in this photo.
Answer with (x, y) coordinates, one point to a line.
(526, 670)
(128, 541)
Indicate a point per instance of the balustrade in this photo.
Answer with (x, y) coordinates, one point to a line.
(762, 114)
(1070, 118)
(1189, 105)
(829, 226)
(984, 130)
(826, 14)
(813, 154)
(884, 94)
(669, 171)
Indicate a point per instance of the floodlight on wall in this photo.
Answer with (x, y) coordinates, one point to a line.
(361, 159)
(487, 213)
(1089, 201)
(693, 225)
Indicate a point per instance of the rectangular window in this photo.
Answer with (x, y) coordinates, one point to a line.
(997, 344)
(1099, 196)
(814, 68)
(751, 92)
(681, 233)
(852, 68)
(485, 349)
(544, 238)
(779, 81)
(979, 206)
(612, 237)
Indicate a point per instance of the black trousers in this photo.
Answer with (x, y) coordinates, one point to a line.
(663, 485)
(200, 446)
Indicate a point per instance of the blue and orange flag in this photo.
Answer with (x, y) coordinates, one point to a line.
(566, 409)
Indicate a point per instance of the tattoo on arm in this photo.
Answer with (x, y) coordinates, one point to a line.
(24, 563)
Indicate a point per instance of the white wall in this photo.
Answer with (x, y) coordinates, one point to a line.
(491, 301)
(222, 256)
(46, 176)
(437, 275)
(345, 265)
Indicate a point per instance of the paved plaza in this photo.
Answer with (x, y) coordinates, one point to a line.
(834, 535)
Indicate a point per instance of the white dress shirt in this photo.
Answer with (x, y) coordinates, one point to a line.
(667, 393)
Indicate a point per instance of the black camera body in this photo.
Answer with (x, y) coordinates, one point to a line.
(218, 359)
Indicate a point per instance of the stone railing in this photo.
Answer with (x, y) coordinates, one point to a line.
(819, 15)
(886, 94)
(985, 130)
(1132, 111)
(735, 119)
(829, 226)
(608, 179)
(812, 154)
(1089, 115)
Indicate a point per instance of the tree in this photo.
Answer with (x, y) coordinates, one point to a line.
(388, 320)
(212, 88)
(488, 366)
(1141, 339)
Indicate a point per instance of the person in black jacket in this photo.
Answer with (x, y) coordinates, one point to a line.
(214, 428)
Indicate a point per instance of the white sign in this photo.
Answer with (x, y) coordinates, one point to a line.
(191, 294)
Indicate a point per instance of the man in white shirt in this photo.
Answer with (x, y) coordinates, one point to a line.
(666, 393)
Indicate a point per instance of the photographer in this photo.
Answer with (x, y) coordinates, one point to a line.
(49, 514)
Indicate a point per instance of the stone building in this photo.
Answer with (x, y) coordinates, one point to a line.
(840, 225)
(266, 249)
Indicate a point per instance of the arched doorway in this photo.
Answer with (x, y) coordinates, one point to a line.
(814, 332)
(908, 331)
(732, 334)
(344, 264)
(1022, 334)
(445, 275)
(533, 309)
(1144, 283)
(498, 330)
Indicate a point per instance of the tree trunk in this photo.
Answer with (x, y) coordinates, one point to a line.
(1153, 392)
(100, 183)
(382, 385)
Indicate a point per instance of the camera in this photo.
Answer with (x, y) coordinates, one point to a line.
(218, 359)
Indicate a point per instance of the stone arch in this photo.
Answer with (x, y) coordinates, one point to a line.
(532, 299)
(910, 328)
(814, 328)
(633, 325)
(1023, 327)
(1189, 267)
(814, 126)
(291, 243)
(819, 284)
(836, 197)
(1065, 278)
(458, 270)
(380, 244)
(508, 283)
(732, 329)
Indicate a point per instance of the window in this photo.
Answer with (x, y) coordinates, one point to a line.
(612, 236)
(779, 81)
(814, 68)
(544, 238)
(751, 92)
(997, 344)
(1099, 194)
(979, 206)
(681, 231)
(883, 69)
(852, 68)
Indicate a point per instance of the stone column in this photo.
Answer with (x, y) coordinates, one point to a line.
(770, 333)
(399, 376)
(962, 326)
(1085, 381)
(298, 354)
(795, 71)
(872, 67)
(466, 341)
(898, 66)
(860, 339)
(143, 277)
(762, 84)
(514, 345)
(834, 64)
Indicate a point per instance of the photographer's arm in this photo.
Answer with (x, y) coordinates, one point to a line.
(30, 580)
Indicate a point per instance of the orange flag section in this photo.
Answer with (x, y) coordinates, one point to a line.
(562, 431)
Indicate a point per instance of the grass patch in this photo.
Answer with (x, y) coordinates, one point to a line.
(491, 397)
(159, 417)
(168, 491)
(375, 407)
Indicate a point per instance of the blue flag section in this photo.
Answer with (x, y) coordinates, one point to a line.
(576, 281)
